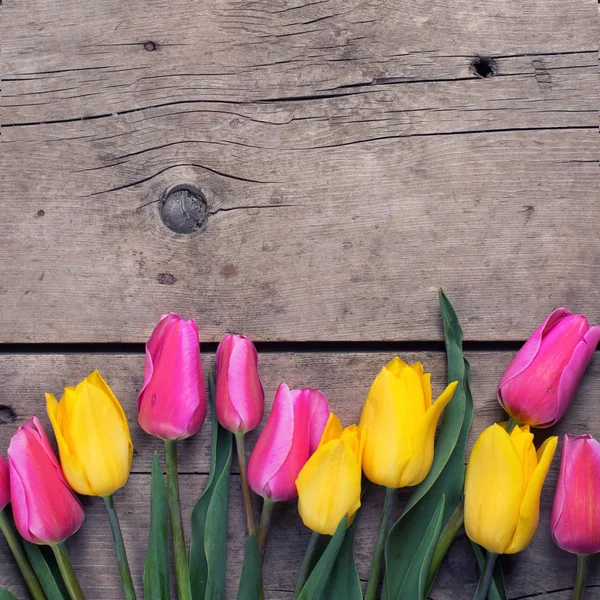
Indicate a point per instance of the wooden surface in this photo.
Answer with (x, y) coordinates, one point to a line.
(351, 159)
(345, 379)
(347, 159)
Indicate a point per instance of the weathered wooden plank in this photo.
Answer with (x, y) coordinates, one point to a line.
(345, 380)
(351, 160)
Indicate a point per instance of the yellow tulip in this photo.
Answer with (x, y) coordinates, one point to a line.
(329, 484)
(93, 437)
(399, 421)
(503, 484)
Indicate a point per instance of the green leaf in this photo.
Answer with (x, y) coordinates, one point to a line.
(497, 590)
(416, 559)
(315, 585)
(447, 473)
(6, 595)
(208, 544)
(156, 567)
(250, 587)
(46, 571)
(344, 581)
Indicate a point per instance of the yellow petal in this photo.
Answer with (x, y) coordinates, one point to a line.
(523, 442)
(71, 465)
(493, 490)
(333, 429)
(426, 383)
(529, 512)
(396, 366)
(421, 460)
(329, 485)
(387, 443)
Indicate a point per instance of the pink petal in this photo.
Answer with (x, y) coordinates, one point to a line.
(575, 517)
(274, 443)
(4, 483)
(319, 415)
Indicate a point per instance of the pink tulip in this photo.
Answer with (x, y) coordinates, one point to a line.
(172, 403)
(240, 400)
(540, 382)
(44, 508)
(575, 518)
(4, 483)
(290, 436)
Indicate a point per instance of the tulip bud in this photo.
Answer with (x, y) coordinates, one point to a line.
(290, 435)
(399, 424)
(93, 437)
(329, 484)
(575, 518)
(4, 483)
(503, 484)
(44, 508)
(541, 381)
(240, 400)
(172, 403)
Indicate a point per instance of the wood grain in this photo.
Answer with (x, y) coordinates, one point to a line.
(345, 378)
(351, 159)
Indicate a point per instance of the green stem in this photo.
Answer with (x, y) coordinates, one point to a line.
(66, 570)
(265, 522)
(307, 563)
(512, 423)
(14, 543)
(182, 574)
(120, 548)
(445, 540)
(373, 584)
(486, 576)
(241, 454)
(582, 569)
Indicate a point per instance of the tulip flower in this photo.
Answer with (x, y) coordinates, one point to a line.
(291, 434)
(172, 406)
(329, 484)
(541, 381)
(575, 518)
(240, 401)
(45, 509)
(503, 484)
(4, 483)
(95, 449)
(399, 422)
(172, 402)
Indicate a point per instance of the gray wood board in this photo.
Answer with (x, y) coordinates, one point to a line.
(345, 379)
(351, 160)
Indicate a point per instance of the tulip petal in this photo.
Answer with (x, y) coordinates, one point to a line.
(388, 445)
(4, 483)
(529, 511)
(575, 519)
(72, 467)
(329, 485)
(243, 360)
(531, 347)
(573, 373)
(318, 415)
(423, 440)
(493, 490)
(396, 366)
(522, 439)
(333, 430)
(274, 443)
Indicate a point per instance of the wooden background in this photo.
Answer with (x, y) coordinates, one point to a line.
(350, 159)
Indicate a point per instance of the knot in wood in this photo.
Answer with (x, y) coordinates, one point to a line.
(184, 209)
(484, 66)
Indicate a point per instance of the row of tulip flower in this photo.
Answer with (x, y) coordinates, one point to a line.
(304, 451)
